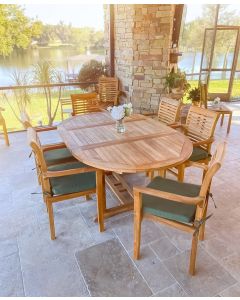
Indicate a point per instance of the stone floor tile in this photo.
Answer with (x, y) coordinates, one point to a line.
(58, 277)
(210, 278)
(124, 230)
(164, 249)
(232, 265)
(8, 247)
(154, 272)
(11, 284)
(174, 290)
(108, 271)
(232, 291)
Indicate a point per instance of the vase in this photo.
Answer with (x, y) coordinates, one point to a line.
(120, 126)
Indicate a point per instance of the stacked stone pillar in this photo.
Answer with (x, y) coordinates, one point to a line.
(143, 36)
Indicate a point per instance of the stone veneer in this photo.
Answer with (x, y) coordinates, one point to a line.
(142, 46)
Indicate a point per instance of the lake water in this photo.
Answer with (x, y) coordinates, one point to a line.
(65, 59)
(68, 60)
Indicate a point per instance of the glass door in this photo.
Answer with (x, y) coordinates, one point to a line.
(219, 61)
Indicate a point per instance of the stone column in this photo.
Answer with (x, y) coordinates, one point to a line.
(143, 34)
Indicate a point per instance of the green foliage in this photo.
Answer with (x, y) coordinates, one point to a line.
(21, 97)
(194, 94)
(80, 38)
(176, 80)
(16, 30)
(91, 71)
(45, 73)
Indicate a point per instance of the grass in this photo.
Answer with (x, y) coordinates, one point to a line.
(218, 86)
(38, 109)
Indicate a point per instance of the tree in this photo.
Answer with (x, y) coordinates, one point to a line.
(16, 30)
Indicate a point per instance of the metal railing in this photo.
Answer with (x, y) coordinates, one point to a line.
(37, 106)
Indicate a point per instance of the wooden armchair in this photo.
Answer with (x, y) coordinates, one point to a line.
(169, 111)
(85, 103)
(4, 127)
(178, 204)
(108, 90)
(54, 153)
(200, 127)
(61, 182)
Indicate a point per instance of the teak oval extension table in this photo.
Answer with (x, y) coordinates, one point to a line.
(146, 145)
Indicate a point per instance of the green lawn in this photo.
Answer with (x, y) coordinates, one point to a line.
(218, 86)
(38, 110)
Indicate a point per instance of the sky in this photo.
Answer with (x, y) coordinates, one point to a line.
(79, 15)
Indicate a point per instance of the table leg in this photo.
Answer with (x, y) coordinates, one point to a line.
(229, 122)
(222, 119)
(101, 198)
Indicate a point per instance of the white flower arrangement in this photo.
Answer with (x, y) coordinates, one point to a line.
(216, 101)
(121, 111)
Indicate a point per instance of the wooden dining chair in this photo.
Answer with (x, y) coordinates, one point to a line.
(177, 204)
(203, 94)
(108, 90)
(61, 182)
(85, 103)
(169, 111)
(200, 127)
(4, 127)
(54, 153)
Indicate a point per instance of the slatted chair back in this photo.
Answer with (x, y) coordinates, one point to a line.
(34, 143)
(84, 103)
(203, 94)
(4, 127)
(169, 110)
(108, 89)
(214, 165)
(200, 125)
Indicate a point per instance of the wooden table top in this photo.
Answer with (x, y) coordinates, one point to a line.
(220, 108)
(147, 144)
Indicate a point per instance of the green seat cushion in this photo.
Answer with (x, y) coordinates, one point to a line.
(167, 209)
(198, 154)
(73, 183)
(57, 156)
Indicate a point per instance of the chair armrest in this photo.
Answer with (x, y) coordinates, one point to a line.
(45, 128)
(197, 165)
(168, 196)
(175, 125)
(53, 174)
(53, 146)
(204, 142)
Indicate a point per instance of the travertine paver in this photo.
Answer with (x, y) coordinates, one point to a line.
(33, 265)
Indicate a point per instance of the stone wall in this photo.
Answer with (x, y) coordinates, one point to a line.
(142, 46)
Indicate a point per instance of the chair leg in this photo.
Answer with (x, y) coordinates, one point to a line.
(5, 133)
(193, 255)
(51, 219)
(162, 173)
(88, 197)
(181, 169)
(137, 235)
(202, 228)
(137, 225)
(101, 198)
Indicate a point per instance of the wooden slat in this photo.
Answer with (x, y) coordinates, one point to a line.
(147, 144)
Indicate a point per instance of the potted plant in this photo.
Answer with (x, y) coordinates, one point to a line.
(90, 72)
(176, 84)
(194, 96)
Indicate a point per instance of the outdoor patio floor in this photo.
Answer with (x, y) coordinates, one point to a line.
(33, 265)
